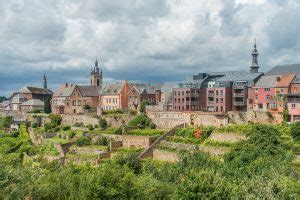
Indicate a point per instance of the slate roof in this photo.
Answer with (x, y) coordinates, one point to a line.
(35, 90)
(269, 81)
(63, 91)
(284, 69)
(112, 89)
(33, 102)
(89, 91)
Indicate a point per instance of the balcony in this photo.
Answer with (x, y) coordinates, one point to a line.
(238, 94)
(210, 94)
(239, 103)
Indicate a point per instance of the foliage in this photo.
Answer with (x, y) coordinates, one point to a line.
(35, 111)
(269, 114)
(55, 120)
(104, 141)
(295, 129)
(286, 115)
(111, 112)
(90, 127)
(109, 130)
(66, 128)
(83, 141)
(87, 107)
(148, 132)
(34, 125)
(3, 98)
(47, 105)
(143, 105)
(142, 121)
(240, 129)
(103, 123)
(6, 121)
(132, 112)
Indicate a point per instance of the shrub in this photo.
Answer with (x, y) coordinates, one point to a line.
(295, 130)
(47, 105)
(35, 111)
(102, 141)
(66, 128)
(141, 121)
(71, 134)
(143, 106)
(90, 127)
(77, 124)
(286, 116)
(132, 112)
(87, 107)
(149, 132)
(6, 121)
(103, 123)
(55, 119)
(34, 125)
(83, 141)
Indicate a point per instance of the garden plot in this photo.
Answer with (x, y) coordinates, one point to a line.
(227, 137)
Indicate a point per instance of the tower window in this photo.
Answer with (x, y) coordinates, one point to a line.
(98, 83)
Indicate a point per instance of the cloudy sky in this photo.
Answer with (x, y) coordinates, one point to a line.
(141, 40)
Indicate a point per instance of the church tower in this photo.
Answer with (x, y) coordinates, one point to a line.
(254, 66)
(96, 75)
(45, 81)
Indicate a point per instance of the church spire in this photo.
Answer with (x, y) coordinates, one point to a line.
(254, 66)
(45, 81)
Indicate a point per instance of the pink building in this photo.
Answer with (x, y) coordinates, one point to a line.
(293, 105)
(269, 92)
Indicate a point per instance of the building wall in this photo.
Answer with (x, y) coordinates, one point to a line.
(110, 102)
(295, 88)
(186, 99)
(219, 99)
(137, 141)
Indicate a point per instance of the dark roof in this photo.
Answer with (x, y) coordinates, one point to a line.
(64, 90)
(112, 89)
(89, 91)
(35, 90)
(286, 69)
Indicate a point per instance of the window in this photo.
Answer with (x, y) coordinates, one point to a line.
(256, 97)
(217, 100)
(175, 93)
(182, 100)
(256, 89)
(281, 90)
(221, 100)
(268, 97)
(267, 89)
(217, 92)
(293, 105)
(79, 103)
(221, 92)
(84, 102)
(74, 103)
(182, 93)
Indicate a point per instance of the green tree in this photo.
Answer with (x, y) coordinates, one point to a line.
(295, 129)
(285, 116)
(47, 105)
(143, 105)
(7, 121)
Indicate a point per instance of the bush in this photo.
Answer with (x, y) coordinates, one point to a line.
(77, 124)
(103, 123)
(132, 112)
(47, 105)
(141, 121)
(35, 111)
(148, 132)
(66, 128)
(55, 119)
(143, 106)
(102, 141)
(295, 130)
(83, 141)
(90, 127)
(286, 116)
(87, 107)
(7, 121)
(34, 125)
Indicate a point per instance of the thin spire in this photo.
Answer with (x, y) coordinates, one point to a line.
(255, 43)
(254, 66)
(45, 81)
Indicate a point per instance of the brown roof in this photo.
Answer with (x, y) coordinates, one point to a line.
(35, 90)
(285, 80)
(64, 90)
(89, 91)
(112, 89)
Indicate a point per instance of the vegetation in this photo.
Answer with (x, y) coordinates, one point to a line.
(103, 123)
(257, 168)
(3, 98)
(143, 106)
(5, 122)
(142, 121)
(47, 105)
(286, 116)
(295, 129)
(83, 141)
(148, 132)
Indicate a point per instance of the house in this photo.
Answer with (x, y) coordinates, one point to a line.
(114, 96)
(270, 90)
(293, 106)
(140, 92)
(5, 108)
(78, 99)
(31, 105)
(75, 99)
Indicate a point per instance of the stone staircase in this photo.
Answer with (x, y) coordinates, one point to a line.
(148, 152)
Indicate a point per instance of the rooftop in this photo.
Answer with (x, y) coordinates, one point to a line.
(285, 69)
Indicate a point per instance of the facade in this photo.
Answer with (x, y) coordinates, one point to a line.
(270, 90)
(114, 96)
(60, 102)
(96, 75)
(140, 92)
(32, 104)
(293, 106)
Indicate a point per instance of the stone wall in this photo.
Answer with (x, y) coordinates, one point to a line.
(114, 121)
(137, 141)
(171, 119)
(254, 116)
(165, 156)
(115, 145)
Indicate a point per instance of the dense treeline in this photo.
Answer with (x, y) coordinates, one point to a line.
(256, 168)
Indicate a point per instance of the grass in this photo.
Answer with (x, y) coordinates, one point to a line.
(109, 130)
(209, 142)
(58, 140)
(183, 140)
(147, 132)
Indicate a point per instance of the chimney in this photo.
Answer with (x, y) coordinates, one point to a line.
(157, 96)
(66, 84)
(278, 78)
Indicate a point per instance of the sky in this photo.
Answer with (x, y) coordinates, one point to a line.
(141, 40)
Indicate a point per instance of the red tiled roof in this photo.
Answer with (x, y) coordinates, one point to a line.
(285, 80)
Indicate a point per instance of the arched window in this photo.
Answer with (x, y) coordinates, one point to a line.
(98, 83)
